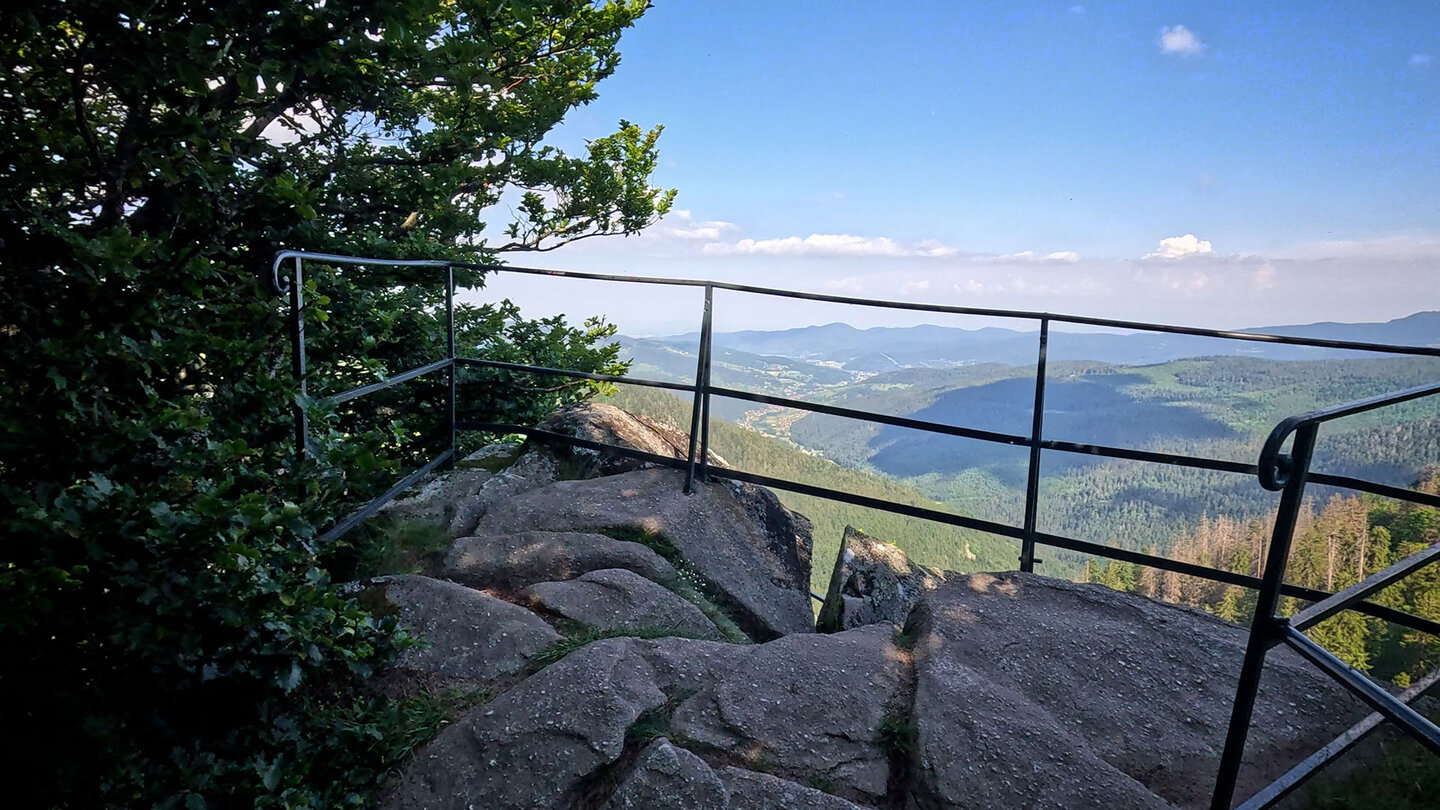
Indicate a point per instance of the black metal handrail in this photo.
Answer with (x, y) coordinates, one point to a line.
(1290, 473)
(1275, 470)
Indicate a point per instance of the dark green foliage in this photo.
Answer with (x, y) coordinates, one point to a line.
(821, 783)
(652, 724)
(1402, 776)
(897, 734)
(385, 546)
(335, 752)
(523, 398)
(168, 617)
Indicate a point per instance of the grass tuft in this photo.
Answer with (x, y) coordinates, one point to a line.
(575, 635)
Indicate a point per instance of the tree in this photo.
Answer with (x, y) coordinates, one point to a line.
(157, 568)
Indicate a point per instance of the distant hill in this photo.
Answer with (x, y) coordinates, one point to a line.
(1208, 402)
(880, 349)
(933, 544)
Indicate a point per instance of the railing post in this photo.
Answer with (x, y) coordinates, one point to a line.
(1265, 628)
(705, 387)
(702, 363)
(450, 349)
(297, 360)
(1032, 481)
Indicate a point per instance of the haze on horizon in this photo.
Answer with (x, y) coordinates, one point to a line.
(1211, 164)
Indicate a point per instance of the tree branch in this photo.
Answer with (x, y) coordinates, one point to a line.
(526, 247)
(77, 98)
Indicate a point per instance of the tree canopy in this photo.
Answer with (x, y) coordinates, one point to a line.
(164, 607)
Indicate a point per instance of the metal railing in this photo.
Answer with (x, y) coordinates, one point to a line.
(1290, 473)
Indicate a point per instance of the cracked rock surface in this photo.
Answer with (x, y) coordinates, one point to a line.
(536, 745)
(607, 424)
(872, 582)
(530, 471)
(467, 634)
(514, 561)
(755, 553)
(1060, 694)
(810, 705)
(669, 776)
(618, 600)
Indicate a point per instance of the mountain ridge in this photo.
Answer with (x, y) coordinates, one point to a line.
(884, 348)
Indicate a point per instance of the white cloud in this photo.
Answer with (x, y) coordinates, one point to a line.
(851, 285)
(1031, 257)
(977, 287)
(1263, 277)
(1403, 248)
(1077, 10)
(1190, 283)
(1181, 247)
(1179, 40)
(685, 226)
(816, 244)
(1015, 285)
(917, 286)
(935, 249)
(1420, 60)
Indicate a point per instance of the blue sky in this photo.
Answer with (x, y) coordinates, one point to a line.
(1224, 164)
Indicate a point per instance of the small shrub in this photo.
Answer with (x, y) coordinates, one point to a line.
(897, 734)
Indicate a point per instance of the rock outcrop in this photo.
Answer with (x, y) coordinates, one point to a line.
(621, 601)
(438, 500)
(872, 582)
(515, 561)
(1001, 690)
(541, 744)
(607, 424)
(530, 471)
(466, 634)
(534, 746)
(668, 776)
(1038, 692)
(748, 790)
(814, 705)
(750, 551)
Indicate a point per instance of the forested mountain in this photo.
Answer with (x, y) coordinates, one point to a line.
(927, 542)
(1212, 407)
(881, 349)
(1216, 407)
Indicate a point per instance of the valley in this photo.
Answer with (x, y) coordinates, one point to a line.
(1136, 391)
